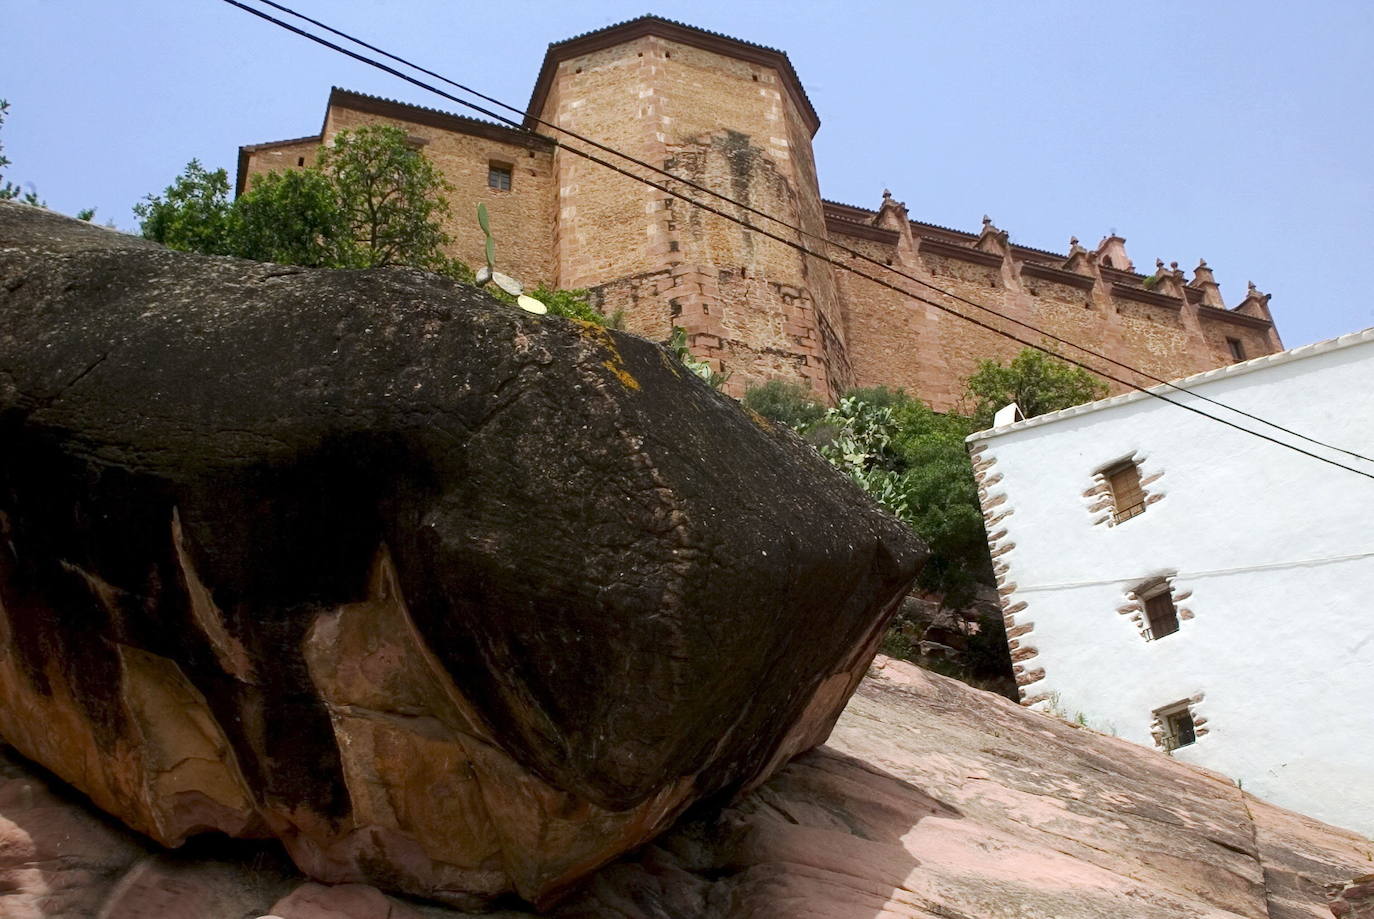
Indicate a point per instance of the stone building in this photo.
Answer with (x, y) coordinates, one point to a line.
(1190, 586)
(733, 116)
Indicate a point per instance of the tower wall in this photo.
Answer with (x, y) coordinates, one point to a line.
(756, 307)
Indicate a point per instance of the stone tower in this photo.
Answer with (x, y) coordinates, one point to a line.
(726, 114)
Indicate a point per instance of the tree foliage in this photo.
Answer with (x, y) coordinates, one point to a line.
(1036, 382)
(370, 200)
(390, 199)
(193, 214)
(785, 402)
(9, 191)
(571, 304)
(292, 217)
(913, 460)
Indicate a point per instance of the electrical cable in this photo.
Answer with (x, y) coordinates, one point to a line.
(798, 246)
(847, 250)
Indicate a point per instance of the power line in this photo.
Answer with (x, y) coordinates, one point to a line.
(799, 246)
(847, 250)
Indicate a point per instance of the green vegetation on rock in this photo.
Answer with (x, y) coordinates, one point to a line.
(913, 461)
(369, 201)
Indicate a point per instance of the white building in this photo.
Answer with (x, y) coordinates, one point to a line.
(1194, 587)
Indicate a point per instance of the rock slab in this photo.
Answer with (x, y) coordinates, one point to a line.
(451, 599)
(931, 799)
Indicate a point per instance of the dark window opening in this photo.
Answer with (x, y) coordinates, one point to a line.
(1128, 498)
(1162, 614)
(498, 176)
(1237, 348)
(1179, 730)
(1107, 261)
(300, 161)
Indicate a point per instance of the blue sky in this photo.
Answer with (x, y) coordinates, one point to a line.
(1238, 132)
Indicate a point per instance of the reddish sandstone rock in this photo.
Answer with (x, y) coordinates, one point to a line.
(1356, 900)
(449, 598)
(931, 800)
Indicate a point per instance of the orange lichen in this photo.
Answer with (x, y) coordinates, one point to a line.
(601, 336)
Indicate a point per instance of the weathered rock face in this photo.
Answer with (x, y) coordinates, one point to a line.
(451, 599)
(1356, 899)
(931, 799)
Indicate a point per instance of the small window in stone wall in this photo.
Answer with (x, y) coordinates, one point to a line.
(1179, 724)
(1153, 607)
(1237, 349)
(1128, 498)
(498, 176)
(1179, 728)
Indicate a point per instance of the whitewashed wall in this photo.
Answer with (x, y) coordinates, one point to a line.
(1276, 548)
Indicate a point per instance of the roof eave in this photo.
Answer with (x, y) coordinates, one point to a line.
(1363, 336)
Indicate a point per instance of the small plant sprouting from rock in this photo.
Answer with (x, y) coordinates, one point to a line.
(570, 304)
(678, 345)
(508, 284)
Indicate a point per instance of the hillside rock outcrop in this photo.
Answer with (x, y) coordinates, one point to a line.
(450, 599)
(931, 799)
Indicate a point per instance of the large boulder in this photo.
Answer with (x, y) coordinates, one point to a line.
(451, 599)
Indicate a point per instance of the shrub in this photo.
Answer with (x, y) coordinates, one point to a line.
(786, 402)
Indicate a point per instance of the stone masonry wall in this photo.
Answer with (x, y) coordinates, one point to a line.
(753, 306)
(276, 157)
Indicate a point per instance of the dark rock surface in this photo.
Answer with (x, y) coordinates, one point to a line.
(451, 599)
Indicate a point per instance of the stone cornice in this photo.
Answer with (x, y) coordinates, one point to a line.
(1058, 275)
(950, 250)
(836, 224)
(1140, 294)
(1212, 312)
(434, 118)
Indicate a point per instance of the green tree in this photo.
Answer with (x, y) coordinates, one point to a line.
(193, 214)
(1036, 382)
(391, 200)
(8, 190)
(572, 304)
(370, 201)
(942, 497)
(291, 217)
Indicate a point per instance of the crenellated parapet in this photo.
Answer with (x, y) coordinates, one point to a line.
(1164, 323)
